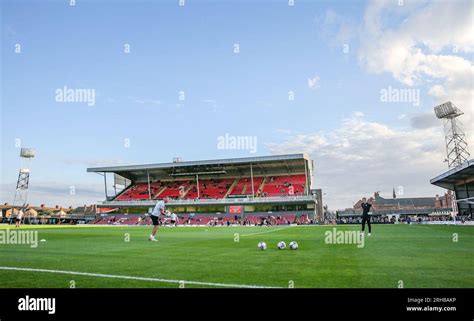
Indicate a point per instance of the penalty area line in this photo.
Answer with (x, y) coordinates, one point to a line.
(136, 278)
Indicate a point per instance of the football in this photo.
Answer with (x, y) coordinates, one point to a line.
(262, 246)
(293, 245)
(281, 245)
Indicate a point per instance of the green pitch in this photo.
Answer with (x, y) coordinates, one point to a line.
(419, 256)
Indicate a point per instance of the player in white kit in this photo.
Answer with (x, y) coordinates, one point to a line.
(174, 220)
(158, 210)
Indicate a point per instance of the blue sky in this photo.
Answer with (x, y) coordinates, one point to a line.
(190, 48)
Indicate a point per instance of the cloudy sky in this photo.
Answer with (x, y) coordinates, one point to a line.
(168, 80)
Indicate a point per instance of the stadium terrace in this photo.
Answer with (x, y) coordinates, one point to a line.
(269, 185)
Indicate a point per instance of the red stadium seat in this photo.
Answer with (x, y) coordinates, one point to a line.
(216, 188)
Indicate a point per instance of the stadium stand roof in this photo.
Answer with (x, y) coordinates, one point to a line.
(460, 180)
(262, 165)
(455, 176)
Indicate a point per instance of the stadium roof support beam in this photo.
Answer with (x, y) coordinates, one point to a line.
(197, 184)
(469, 200)
(251, 177)
(288, 167)
(105, 183)
(306, 176)
(149, 187)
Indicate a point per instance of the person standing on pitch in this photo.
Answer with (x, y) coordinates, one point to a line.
(19, 217)
(174, 220)
(365, 215)
(157, 211)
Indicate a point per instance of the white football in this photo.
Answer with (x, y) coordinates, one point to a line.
(293, 245)
(167, 213)
(262, 246)
(281, 245)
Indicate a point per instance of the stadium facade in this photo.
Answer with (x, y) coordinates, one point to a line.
(274, 185)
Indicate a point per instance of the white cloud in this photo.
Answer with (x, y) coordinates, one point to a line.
(313, 83)
(211, 103)
(426, 120)
(421, 42)
(438, 92)
(56, 193)
(148, 101)
(145, 101)
(361, 157)
(336, 29)
(283, 131)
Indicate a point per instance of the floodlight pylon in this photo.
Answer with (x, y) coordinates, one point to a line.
(456, 145)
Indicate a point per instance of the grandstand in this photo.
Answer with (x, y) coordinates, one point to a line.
(279, 186)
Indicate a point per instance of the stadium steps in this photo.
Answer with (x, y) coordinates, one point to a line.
(186, 191)
(248, 186)
(231, 188)
(260, 188)
(123, 191)
(161, 191)
(244, 189)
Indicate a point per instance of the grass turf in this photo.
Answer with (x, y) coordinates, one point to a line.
(419, 256)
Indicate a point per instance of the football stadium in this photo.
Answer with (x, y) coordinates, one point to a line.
(232, 215)
(234, 160)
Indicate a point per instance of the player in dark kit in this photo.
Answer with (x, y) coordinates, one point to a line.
(365, 215)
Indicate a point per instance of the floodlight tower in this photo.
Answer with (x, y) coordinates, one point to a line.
(21, 193)
(456, 145)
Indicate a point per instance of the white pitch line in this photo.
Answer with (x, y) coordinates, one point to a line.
(419, 226)
(138, 278)
(278, 229)
(416, 236)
